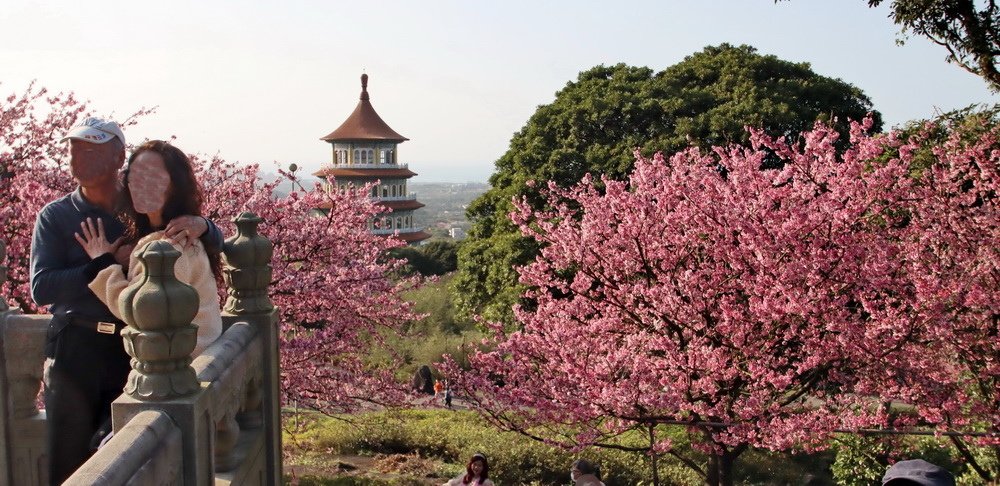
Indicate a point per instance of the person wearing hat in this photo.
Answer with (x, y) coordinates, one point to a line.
(86, 365)
(917, 472)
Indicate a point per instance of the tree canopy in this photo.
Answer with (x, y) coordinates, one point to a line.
(596, 122)
(971, 35)
(760, 308)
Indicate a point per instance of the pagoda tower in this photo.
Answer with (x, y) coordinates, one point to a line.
(365, 150)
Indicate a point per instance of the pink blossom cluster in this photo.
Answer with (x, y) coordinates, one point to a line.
(762, 307)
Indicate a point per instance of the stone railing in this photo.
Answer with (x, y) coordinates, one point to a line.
(211, 420)
(347, 165)
(409, 197)
(385, 231)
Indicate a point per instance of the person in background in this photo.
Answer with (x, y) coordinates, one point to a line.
(86, 366)
(583, 473)
(477, 473)
(917, 472)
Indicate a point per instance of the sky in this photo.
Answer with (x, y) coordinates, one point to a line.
(261, 82)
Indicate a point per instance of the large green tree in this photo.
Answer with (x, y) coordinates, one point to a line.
(970, 34)
(596, 123)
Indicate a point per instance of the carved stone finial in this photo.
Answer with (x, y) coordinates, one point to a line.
(158, 310)
(248, 268)
(3, 275)
(364, 87)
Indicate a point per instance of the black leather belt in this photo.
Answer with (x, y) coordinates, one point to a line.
(103, 327)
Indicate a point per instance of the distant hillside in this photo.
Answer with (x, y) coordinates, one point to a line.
(445, 203)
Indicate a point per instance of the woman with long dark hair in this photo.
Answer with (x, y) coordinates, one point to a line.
(477, 473)
(159, 185)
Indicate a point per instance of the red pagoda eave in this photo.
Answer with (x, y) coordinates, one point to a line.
(401, 205)
(370, 173)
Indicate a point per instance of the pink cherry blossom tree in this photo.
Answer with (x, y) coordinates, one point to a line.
(33, 171)
(952, 252)
(331, 276)
(709, 292)
(331, 283)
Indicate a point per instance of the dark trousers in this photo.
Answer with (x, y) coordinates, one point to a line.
(88, 372)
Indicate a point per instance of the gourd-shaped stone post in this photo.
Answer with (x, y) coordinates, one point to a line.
(3, 275)
(248, 268)
(160, 336)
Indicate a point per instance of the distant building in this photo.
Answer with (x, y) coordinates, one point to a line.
(456, 233)
(365, 150)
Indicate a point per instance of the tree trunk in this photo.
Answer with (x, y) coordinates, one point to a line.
(654, 463)
(970, 459)
(720, 467)
(712, 478)
(653, 459)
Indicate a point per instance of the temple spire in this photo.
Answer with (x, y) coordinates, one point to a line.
(364, 87)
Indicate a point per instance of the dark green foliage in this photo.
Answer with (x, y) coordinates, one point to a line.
(597, 122)
(862, 460)
(437, 257)
(971, 35)
(443, 253)
(970, 123)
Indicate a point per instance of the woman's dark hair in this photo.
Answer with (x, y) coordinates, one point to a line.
(468, 469)
(184, 197)
(585, 467)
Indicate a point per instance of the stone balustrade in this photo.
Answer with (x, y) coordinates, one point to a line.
(210, 420)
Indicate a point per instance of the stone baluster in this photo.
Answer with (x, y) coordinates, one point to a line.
(24, 378)
(227, 432)
(250, 416)
(160, 336)
(3, 275)
(248, 275)
(248, 268)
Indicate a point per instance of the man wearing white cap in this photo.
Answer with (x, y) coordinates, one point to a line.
(87, 365)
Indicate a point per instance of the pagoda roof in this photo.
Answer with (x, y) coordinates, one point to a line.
(364, 123)
(412, 236)
(344, 172)
(401, 205)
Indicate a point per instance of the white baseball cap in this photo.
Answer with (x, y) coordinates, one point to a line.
(95, 130)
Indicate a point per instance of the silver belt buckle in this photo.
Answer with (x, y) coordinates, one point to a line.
(106, 327)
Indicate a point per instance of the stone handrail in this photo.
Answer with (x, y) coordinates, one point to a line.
(211, 420)
(385, 231)
(146, 450)
(349, 165)
(409, 197)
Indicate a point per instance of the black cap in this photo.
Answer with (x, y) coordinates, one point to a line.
(918, 471)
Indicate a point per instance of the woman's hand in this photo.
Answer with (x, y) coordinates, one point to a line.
(184, 230)
(94, 241)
